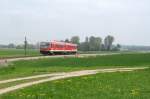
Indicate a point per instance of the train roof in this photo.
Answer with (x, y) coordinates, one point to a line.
(63, 43)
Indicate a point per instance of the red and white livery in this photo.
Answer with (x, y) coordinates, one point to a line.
(55, 47)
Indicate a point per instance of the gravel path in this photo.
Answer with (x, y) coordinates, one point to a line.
(31, 77)
(56, 76)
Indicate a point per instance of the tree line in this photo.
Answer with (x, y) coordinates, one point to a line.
(21, 46)
(93, 43)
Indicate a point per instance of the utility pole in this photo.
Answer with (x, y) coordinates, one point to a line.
(25, 46)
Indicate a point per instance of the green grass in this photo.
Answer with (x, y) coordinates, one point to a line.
(8, 53)
(9, 84)
(120, 85)
(42, 66)
(104, 52)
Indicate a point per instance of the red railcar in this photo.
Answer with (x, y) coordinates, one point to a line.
(56, 47)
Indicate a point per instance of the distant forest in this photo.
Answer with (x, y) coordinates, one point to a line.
(135, 48)
(91, 43)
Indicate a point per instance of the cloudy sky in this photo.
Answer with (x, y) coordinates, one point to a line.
(41, 20)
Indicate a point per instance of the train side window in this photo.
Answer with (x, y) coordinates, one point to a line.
(61, 46)
(57, 46)
(51, 45)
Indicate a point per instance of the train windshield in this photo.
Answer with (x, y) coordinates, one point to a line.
(44, 45)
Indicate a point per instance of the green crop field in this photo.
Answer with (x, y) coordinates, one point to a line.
(8, 53)
(120, 85)
(127, 85)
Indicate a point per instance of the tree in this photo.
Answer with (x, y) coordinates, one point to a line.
(108, 41)
(102, 47)
(67, 40)
(75, 40)
(11, 45)
(94, 43)
(86, 44)
(98, 42)
(118, 46)
(21, 46)
(82, 47)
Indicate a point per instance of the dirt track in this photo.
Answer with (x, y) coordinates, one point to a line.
(56, 76)
(56, 56)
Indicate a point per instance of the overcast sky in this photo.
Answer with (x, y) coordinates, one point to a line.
(41, 20)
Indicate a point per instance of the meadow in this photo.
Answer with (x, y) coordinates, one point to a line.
(119, 85)
(42, 66)
(9, 53)
(14, 53)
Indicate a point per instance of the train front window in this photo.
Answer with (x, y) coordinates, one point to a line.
(44, 45)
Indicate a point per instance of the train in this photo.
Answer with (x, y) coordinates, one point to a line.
(57, 47)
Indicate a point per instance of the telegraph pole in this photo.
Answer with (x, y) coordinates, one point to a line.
(25, 46)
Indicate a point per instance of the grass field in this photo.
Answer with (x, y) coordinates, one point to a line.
(42, 66)
(127, 85)
(105, 52)
(6, 53)
(10, 53)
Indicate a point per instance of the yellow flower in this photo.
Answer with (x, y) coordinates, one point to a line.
(28, 95)
(69, 80)
(134, 92)
(56, 81)
(42, 94)
(85, 78)
(119, 90)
